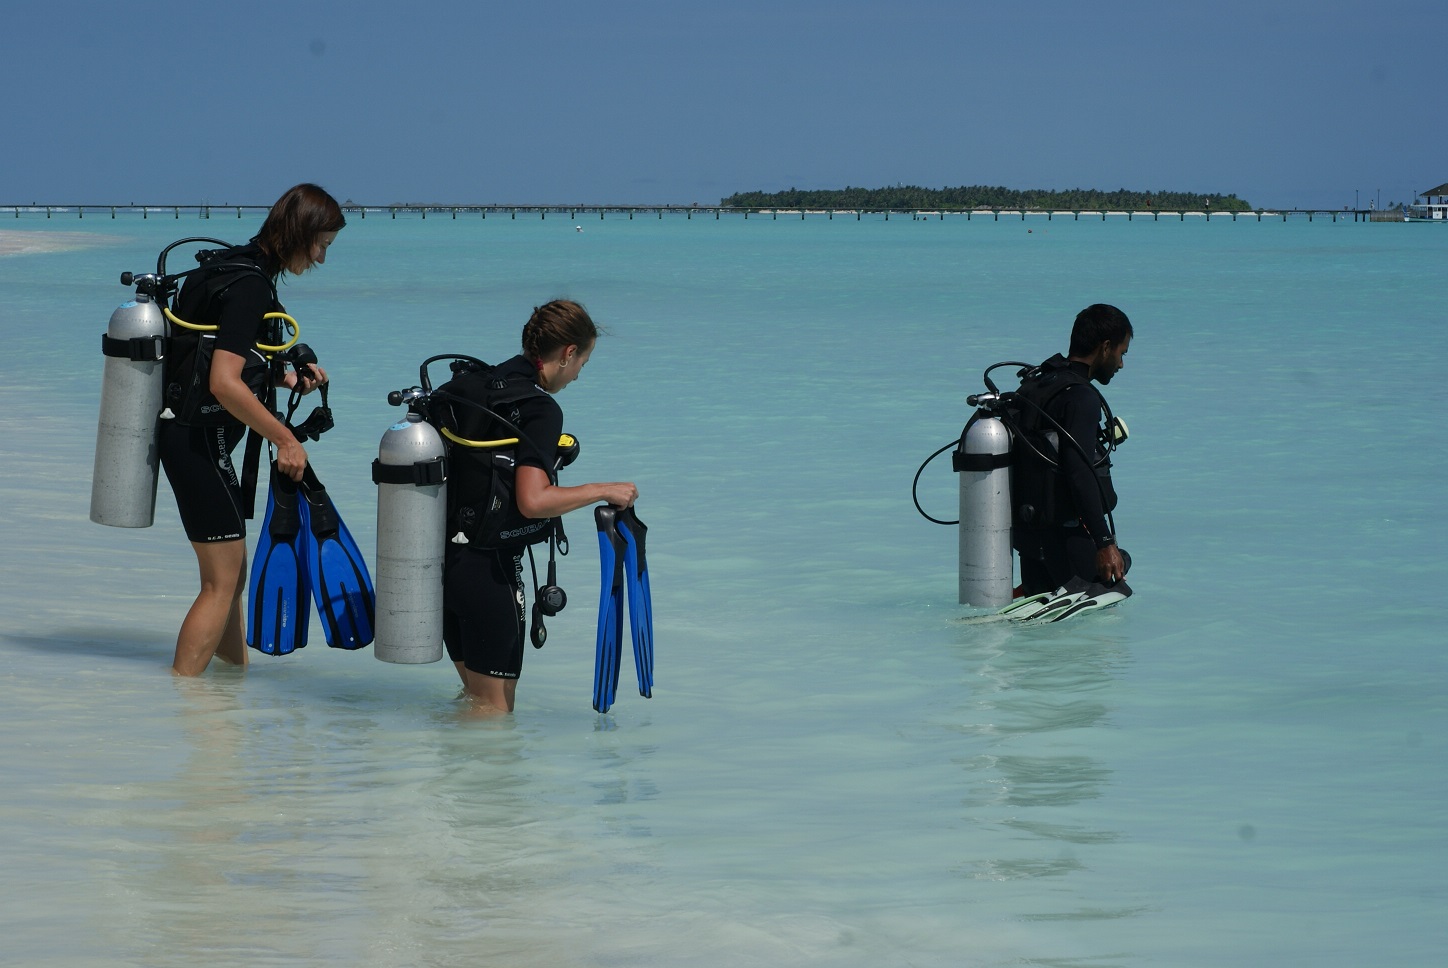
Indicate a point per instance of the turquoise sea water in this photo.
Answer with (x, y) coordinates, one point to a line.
(1244, 764)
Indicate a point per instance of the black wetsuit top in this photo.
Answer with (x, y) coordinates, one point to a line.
(237, 310)
(1064, 542)
(195, 442)
(1077, 409)
(483, 603)
(537, 414)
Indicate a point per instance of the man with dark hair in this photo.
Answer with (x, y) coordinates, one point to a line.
(1061, 486)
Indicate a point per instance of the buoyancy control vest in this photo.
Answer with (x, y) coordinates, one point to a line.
(188, 393)
(1040, 494)
(482, 459)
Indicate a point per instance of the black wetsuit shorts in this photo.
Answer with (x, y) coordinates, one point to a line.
(198, 465)
(484, 612)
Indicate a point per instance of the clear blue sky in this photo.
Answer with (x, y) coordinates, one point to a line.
(1284, 102)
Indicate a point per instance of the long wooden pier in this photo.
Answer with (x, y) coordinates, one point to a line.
(574, 212)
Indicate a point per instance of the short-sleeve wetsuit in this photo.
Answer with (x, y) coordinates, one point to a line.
(484, 611)
(196, 454)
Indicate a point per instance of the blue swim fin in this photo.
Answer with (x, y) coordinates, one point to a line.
(611, 553)
(640, 598)
(279, 603)
(336, 570)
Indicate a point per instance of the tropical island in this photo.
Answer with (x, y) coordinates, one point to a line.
(968, 197)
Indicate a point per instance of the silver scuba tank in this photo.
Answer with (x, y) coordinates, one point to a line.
(985, 512)
(411, 478)
(123, 482)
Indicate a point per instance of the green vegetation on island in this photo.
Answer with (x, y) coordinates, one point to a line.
(911, 197)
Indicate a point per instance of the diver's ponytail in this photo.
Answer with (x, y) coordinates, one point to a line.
(555, 325)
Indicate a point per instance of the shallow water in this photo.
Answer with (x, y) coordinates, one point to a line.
(1242, 764)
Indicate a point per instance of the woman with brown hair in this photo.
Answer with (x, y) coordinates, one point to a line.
(217, 387)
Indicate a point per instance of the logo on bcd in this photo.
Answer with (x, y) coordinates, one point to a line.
(523, 532)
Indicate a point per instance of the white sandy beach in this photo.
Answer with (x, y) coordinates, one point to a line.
(14, 242)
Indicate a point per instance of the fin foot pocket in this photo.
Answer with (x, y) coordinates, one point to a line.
(279, 594)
